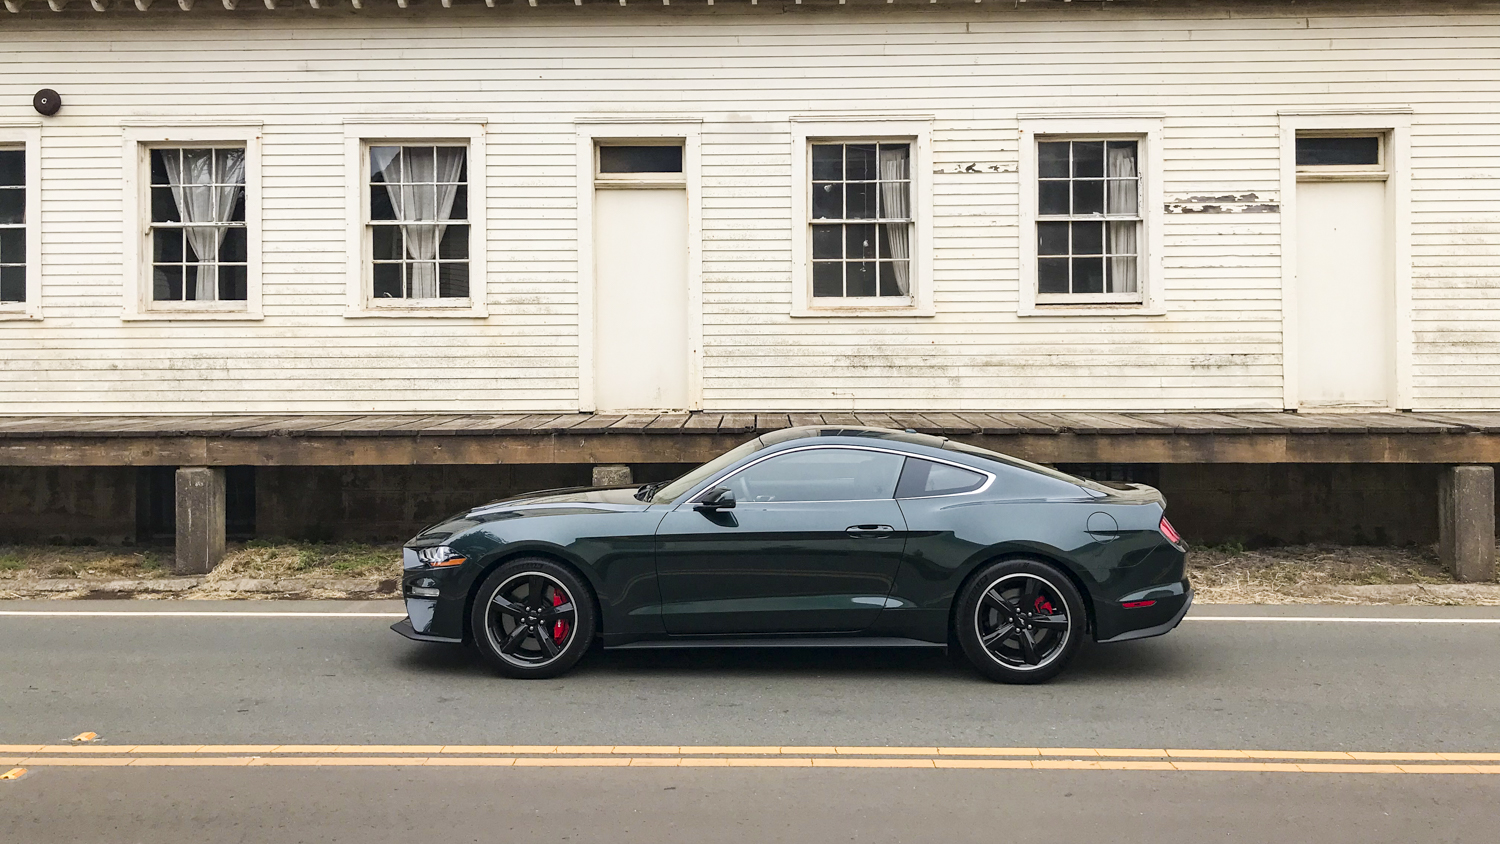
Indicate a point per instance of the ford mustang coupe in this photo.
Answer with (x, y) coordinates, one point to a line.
(821, 536)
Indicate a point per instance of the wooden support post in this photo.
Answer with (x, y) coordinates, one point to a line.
(611, 475)
(200, 519)
(1466, 522)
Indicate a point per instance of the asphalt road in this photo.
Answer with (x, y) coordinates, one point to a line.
(1288, 685)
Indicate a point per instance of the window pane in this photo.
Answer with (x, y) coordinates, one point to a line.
(1120, 159)
(12, 284)
(233, 284)
(824, 474)
(1321, 152)
(828, 278)
(12, 246)
(1088, 159)
(828, 242)
(1122, 238)
(1088, 275)
(164, 206)
(380, 203)
(12, 205)
(859, 241)
(828, 202)
(860, 204)
(859, 278)
(1052, 198)
(166, 283)
(1052, 238)
(1088, 238)
(12, 167)
(385, 242)
(1123, 275)
(859, 163)
(460, 209)
(159, 165)
(640, 159)
(388, 281)
(1120, 197)
(1088, 197)
(385, 164)
(827, 162)
(233, 249)
(166, 246)
(891, 275)
(1052, 275)
(453, 279)
(455, 243)
(1052, 160)
(924, 477)
(895, 200)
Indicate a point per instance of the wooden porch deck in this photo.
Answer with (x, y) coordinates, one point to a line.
(383, 439)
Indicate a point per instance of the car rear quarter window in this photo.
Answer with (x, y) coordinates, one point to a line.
(924, 477)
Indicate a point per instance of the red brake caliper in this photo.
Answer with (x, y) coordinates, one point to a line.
(560, 628)
(1043, 605)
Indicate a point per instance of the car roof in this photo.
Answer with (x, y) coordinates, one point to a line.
(851, 431)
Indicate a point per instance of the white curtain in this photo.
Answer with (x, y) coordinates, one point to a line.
(422, 188)
(1123, 199)
(895, 192)
(206, 183)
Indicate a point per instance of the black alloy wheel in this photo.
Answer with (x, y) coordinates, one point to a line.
(1020, 621)
(533, 618)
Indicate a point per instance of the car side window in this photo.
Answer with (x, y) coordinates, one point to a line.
(923, 478)
(819, 474)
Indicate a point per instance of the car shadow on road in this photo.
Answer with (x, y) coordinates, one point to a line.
(1127, 662)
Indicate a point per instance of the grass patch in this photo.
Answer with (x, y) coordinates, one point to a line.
(258, 559)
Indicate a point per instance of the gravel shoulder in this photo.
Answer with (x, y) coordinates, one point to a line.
(1305, 574)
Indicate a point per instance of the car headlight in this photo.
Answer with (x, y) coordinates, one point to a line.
(439, 555)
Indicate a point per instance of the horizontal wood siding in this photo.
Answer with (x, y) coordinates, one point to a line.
(1217, 72)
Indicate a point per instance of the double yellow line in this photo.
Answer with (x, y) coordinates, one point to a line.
(735, 756)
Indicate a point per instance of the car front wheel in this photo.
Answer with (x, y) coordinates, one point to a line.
(533, 618)
(1020, 621)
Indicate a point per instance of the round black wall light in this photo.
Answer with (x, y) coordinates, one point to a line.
(46, 102)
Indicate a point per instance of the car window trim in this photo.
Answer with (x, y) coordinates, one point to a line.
(989, 479)
(988, 482)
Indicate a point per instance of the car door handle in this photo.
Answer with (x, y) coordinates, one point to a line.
(870, 531)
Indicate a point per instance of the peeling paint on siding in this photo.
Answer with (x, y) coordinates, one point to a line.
(1226, 203)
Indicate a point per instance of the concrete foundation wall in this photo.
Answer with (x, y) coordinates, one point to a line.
(1285, 504)
(67, 504)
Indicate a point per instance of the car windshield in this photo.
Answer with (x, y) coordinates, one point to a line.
(682, 485)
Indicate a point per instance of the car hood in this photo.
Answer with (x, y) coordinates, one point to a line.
(552, 502)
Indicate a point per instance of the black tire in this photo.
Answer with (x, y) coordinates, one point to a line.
(1009, 625)
(543, 623)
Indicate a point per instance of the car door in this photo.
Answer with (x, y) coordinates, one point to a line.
(812, 545)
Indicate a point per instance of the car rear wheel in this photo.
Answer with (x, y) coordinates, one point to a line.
(1020, 621)
(533, 618)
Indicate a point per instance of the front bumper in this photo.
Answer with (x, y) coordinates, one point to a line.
(405, 629)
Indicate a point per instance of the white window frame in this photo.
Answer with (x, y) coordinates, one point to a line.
(917, 131)
(27, 136)
(1147, 132)
(139, 141)
(359, 136)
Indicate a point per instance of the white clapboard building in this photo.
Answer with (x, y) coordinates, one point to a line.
(290, 209)
(1195, 205)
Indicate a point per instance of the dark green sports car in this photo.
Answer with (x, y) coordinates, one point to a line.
(824, 536)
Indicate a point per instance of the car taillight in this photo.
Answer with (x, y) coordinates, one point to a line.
(1169, 532)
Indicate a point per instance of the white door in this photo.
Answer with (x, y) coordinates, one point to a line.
(640, 299)
(1345, 295)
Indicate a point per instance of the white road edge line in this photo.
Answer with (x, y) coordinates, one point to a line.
(298, 614)
(1349, 619)
(191, 614)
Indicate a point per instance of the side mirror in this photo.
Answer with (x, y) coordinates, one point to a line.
(715, 500)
